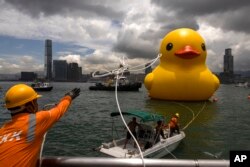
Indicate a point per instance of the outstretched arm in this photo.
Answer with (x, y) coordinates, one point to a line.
(47, 118)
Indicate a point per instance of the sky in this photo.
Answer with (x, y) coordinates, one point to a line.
(98, 34)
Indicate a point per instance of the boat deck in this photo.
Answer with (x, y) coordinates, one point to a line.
(116, 149)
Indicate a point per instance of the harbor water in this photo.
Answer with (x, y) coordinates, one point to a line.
(218, 127)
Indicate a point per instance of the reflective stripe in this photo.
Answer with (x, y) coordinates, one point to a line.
(31, 128)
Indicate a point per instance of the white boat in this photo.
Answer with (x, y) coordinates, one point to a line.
(123, 85)
(42, 86)
(146, 137)
(245, 85)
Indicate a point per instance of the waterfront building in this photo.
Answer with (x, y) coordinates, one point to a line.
(80, 73)
(60, 70)
(48, 59)
(10, 77)
(28, 76)
(74, 72)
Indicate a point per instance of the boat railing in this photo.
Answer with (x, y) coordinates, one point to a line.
(133, 162)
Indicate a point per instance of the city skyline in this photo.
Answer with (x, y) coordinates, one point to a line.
(96, 34)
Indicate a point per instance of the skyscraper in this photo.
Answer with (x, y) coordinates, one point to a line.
(48, 59)
(228, 61)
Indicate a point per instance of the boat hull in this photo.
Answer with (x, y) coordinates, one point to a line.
(164, 147)
(43, 88)
(130, 87)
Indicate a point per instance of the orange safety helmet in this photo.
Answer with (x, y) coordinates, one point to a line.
(19, 95)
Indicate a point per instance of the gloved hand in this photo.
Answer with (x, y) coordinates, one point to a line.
(73, 93)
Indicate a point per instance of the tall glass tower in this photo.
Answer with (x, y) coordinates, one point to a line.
(228, 61)
(48, 59)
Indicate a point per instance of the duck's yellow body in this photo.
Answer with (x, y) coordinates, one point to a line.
(182, 73)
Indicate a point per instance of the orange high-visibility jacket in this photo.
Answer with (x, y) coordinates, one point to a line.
(21, 138)
(173, 122)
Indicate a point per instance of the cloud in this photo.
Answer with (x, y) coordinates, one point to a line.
(100, 61)
(88, 32)
(71, 58)
(78, 8)
(139, 37)
(241, 53)
(96, 61)
(108, 30)
(129, 42)
(226, 15)
(17, 63)
(105, 61)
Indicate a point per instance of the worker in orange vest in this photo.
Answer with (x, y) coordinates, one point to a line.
(173, 124)
(21, 138)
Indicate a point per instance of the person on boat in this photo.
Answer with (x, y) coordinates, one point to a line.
(21, 138)
(132, 127)
(159, 131)
(173, 124)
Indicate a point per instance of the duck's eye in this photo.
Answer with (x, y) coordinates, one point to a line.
(169, 46)
(203, 46)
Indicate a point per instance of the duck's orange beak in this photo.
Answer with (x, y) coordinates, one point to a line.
(187, 52)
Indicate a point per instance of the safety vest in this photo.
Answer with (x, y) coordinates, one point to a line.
(21, 138)
(173, 122)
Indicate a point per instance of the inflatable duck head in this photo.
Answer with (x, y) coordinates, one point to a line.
(184, 47)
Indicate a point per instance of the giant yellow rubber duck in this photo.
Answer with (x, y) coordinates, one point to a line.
(182, 74)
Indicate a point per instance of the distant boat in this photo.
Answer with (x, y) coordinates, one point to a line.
(123, 85)
(245, 85)
(42, 86)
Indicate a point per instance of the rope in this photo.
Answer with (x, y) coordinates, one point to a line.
(41, 151)
(125, 67)
(186, 108)
(194, 116)
(158, 133)
(170, 153)
(147, 65)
